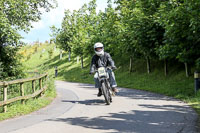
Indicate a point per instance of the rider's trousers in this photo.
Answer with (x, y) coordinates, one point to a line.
(113, 82)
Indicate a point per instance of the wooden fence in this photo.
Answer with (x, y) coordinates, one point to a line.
(35, 91)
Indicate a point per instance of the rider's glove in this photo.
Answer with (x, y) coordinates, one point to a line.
(91, 72)
(114, 67)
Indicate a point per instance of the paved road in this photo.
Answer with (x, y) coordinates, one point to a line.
(78, 110)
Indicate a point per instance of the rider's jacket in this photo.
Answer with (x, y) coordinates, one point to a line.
(101, 61)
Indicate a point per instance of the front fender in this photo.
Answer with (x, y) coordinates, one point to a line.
(102, 80)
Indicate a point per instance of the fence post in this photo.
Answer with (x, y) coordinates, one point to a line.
(5, 96)
(40, 83)
(5, 85)
(56, 71)
(22, 91)
(33, 86)
(40, 80)
(45, 80)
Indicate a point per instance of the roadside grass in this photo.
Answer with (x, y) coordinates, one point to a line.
(33, 64)
(17, 109)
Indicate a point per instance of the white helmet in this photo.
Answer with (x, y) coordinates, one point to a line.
(99, 52)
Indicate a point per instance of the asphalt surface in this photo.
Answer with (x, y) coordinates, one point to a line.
(77, 109)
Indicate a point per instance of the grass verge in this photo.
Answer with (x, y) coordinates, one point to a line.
(31, 105)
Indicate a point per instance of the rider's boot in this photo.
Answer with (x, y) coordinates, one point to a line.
(115, 90)
(99, 93)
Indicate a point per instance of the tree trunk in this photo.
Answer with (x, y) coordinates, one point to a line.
(187, 69)
(82, 62)
(69, 58)
(60, 54)
(166, 67)
(130, 67)
(148, 65)
(77, 59)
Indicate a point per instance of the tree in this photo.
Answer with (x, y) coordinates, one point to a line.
(109, 29)
(126, 40)
(77, 30)
(143, 32)
(16, 15)
(181, 22)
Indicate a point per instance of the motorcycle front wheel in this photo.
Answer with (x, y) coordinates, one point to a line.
(106, 93)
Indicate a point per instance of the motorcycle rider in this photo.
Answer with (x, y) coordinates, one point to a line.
(102, 59)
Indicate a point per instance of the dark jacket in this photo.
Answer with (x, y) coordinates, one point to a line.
(101, 61)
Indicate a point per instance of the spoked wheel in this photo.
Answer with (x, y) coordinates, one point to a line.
(106, 94)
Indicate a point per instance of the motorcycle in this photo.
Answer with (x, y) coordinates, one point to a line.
(106, 89)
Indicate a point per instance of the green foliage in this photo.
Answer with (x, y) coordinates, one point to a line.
(16, 15)
(181, 23)
(36, 49)
(11, 65)
(50, 52)
(108, 30)
(148, 29)
(1, 71)
(198, 64)
(76, 29)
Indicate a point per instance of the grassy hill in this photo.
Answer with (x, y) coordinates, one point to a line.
(175, 84)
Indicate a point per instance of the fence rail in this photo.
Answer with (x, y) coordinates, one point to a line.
(42, 87)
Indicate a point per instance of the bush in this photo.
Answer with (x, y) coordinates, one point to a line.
(50, 52)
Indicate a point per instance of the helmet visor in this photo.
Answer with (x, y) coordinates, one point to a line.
(98, 49)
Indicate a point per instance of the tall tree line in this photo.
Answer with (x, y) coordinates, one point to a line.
(140, 29)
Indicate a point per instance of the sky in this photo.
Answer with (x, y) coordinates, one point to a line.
(41, 29)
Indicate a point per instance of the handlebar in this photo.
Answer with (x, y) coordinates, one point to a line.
(112, 68)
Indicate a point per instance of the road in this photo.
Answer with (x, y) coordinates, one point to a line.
(77, 109)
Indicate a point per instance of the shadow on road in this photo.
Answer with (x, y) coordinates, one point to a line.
(87, 102)
(136, 121)
(144, 95)
(133, 93)
(150, 119)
